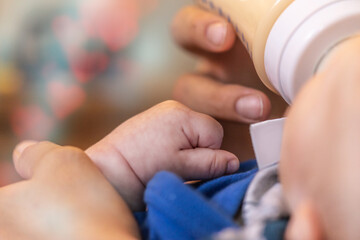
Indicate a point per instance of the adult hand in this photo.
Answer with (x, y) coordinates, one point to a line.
(65, 196)
(225, 84)
(223, 60)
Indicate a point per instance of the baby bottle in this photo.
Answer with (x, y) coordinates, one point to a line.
(287, 39)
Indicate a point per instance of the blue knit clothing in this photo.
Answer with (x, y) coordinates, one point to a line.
(181, 211)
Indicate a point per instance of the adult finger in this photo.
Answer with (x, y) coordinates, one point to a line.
(29, 157)
(27, 153)
(225, 101)
(194, 28)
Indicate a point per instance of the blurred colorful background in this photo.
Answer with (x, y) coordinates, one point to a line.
(73, 70)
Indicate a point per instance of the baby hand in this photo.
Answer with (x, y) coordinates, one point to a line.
(168, 137)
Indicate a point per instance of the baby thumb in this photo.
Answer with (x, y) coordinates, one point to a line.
(206, 163)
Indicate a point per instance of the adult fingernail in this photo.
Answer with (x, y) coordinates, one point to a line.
(19, 149)
(250, 107)
(232, 166)
(216, 33)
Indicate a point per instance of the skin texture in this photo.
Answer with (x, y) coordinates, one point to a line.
(65, 196)
(319, 164)
(169, 137)
(320, 160)
(224, 75)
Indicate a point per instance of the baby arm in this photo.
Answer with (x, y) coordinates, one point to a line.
(168, 137)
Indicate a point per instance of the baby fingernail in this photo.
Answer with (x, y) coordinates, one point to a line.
(250, 107)
(232, 166)
(216, 33)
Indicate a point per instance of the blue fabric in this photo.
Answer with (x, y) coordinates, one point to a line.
(180, 211)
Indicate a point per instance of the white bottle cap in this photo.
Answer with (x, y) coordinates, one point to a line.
(302, 36)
